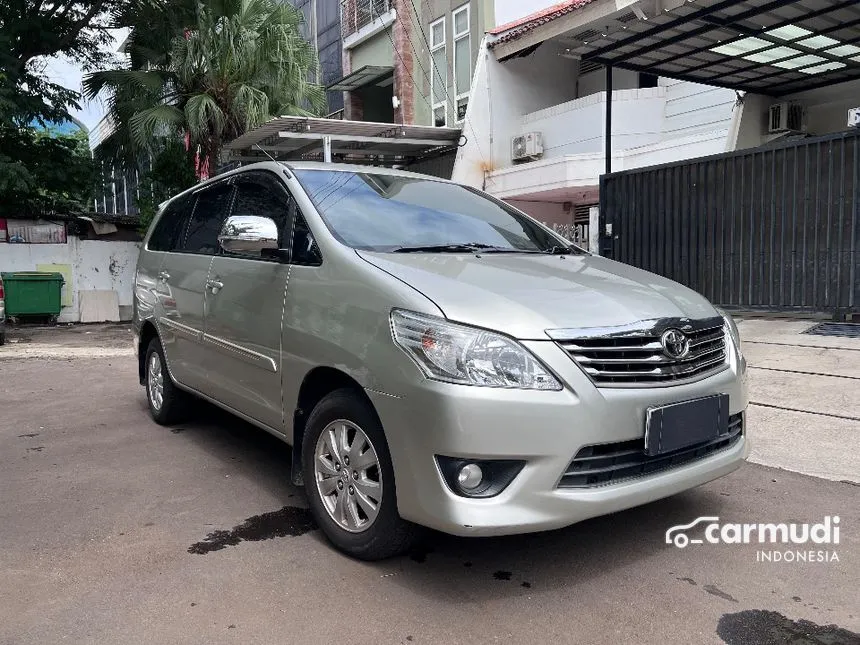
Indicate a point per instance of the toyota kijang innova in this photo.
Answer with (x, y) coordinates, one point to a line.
(434, 356)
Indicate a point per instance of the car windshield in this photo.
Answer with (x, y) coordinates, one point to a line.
(394, 213)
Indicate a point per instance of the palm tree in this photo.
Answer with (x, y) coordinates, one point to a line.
(237, 63)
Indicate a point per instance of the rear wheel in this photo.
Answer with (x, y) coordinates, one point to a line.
(167, 403)
(349, 479)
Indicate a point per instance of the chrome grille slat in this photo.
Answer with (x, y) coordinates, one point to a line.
(645, 360)
(637, 358)
(669, 370)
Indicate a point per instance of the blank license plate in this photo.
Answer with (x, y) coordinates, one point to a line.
(678, 425)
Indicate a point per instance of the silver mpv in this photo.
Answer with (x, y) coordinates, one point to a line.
(434, 356)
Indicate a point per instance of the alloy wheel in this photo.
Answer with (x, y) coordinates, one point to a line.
(155, 380)
(348, 476)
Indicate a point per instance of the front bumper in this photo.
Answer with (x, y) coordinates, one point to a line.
(546, 429)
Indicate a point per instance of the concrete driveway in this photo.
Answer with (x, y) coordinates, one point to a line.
(116, 530)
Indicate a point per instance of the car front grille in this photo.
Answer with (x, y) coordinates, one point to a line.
(609, 463)
(637, 358)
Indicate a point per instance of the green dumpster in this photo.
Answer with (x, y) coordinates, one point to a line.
(33, 293)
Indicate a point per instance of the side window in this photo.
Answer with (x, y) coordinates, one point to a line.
(305, 250)
(168, 230)
(207, 218)
(262, 196)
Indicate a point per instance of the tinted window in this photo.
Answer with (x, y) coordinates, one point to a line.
(385, 212)
(206, 220)
(263, 196)
(168, 229)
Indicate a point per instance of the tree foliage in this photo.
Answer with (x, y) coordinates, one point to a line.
(227, 67)
(171, 172)
(49, 173)
(30, 32)
(41, 171)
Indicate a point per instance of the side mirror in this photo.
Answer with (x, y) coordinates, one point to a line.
(249, 235)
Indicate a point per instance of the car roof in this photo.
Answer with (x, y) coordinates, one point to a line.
(303, 165)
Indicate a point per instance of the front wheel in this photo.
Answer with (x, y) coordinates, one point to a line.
(349, 479)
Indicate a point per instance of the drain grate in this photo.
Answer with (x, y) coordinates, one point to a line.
(845, 330)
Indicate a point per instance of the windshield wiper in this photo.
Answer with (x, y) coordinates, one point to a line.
(469, 247)
(560, 250)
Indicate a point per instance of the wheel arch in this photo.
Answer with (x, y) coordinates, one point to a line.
(318, 383)
(147, 333)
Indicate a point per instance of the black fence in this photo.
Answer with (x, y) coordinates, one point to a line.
(772, 229)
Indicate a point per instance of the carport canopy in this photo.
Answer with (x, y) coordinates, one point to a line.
(771, 47)
(294, 138)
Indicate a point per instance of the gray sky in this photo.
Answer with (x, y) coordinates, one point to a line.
(69, 75)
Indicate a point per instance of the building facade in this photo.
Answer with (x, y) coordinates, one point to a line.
(410, 61)
(536, 132)
(322, 28)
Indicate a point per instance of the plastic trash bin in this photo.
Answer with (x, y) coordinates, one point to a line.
(33, 293)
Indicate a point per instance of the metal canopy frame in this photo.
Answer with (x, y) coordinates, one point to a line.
(295, 138)
(359, 78)
(679, 42)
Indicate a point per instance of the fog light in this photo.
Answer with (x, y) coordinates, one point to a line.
(470, 476)
(478, 477)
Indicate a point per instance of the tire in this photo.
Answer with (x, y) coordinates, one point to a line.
(2, 338)
(387, 534)
(172, 404)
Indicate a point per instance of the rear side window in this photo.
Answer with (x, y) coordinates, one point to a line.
(168, 230)
(206, 220)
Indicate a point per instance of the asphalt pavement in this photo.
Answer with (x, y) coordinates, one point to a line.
(116, 530)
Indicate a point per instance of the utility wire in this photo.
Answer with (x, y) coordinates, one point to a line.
(412, 78)
(444, 81)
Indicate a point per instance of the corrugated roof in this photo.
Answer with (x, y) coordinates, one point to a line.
(517, 28)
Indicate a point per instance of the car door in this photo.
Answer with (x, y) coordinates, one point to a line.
(244, 305)
(182, 283)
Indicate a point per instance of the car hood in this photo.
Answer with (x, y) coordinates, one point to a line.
(524, 295)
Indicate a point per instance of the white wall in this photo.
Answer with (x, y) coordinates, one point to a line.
(572, 173)
(95, 265)
(578, 126)
(501, 94)
(692, 108)
(826, 107)
(593, 82)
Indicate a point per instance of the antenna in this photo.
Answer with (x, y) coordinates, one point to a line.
(265, 152)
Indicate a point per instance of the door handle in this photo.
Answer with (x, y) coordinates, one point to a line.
(164, 276)
(214, 285)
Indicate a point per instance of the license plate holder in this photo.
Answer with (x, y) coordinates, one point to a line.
(686, 423)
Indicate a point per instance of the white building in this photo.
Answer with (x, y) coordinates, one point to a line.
(545, 74)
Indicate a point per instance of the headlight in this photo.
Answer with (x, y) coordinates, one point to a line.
(735, 336)
(460, 354)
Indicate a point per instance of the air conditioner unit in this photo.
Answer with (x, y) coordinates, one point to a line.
(786, 117)
(527, 146)
(854, 117)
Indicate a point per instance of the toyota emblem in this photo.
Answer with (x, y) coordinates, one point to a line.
(676, 344)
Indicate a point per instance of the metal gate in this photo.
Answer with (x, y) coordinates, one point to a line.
(772, 229)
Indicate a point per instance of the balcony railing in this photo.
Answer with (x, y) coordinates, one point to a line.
(356, 14)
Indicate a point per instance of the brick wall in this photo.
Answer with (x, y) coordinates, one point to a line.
(404, 71)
